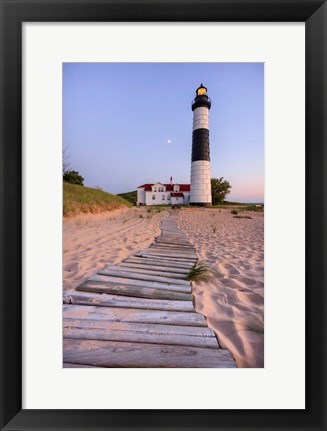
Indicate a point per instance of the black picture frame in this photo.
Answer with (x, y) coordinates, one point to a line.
(13, 14)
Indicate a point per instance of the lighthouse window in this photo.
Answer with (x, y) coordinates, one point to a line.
(201, 91)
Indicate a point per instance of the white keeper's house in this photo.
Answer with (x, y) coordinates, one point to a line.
(163, 194)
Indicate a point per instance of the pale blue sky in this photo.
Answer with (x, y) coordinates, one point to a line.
(119, 117)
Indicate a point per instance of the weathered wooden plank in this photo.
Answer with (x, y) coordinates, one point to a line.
(171, 227)
(113, 354)
(142, 283)
(171, 263)
(133, 315)
(173, 253)
(176, 244)
(181, 238)
(182, 272)
(139, 333)
(160, 239)
(148, 271)
(165, 246)
(172, 247)
(107, 300)
(171, 250)
(155, 255)
(120, 273)
(167, 233)
(178, 256)
(134, 291)
(169, 240)
(174, 234)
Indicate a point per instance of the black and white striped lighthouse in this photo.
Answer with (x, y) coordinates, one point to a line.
(200, 167)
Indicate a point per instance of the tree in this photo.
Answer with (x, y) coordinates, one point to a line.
(73, 177)
(65, 160)
(219, 190)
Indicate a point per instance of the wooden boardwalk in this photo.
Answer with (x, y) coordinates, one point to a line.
(140, 312)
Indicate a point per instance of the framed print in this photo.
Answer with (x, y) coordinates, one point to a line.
(143, 342)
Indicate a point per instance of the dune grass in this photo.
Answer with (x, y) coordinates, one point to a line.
(85, 200)
(129, 196)
(200, 272)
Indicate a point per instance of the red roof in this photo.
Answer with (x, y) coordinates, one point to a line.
(177, 195)
(146, 186)
(182, 187)
(169, 187)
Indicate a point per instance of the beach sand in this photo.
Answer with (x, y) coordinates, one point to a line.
(93, 241)
(233, 300)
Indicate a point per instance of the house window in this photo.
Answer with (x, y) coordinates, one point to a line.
(168, 197)
(155, 189)
(163, 197)
(153, 197)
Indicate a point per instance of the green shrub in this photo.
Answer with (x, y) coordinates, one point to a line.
(254, 208)
(73, 177)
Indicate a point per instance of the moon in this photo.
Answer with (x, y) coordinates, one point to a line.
(169, 141)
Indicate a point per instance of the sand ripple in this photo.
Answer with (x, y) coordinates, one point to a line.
(233, 300)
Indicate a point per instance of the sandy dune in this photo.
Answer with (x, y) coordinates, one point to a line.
(232, 301)
(93, 241)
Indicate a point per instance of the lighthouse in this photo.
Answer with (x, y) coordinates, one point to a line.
(200, 166)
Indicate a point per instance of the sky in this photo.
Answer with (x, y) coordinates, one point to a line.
(126, 124)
